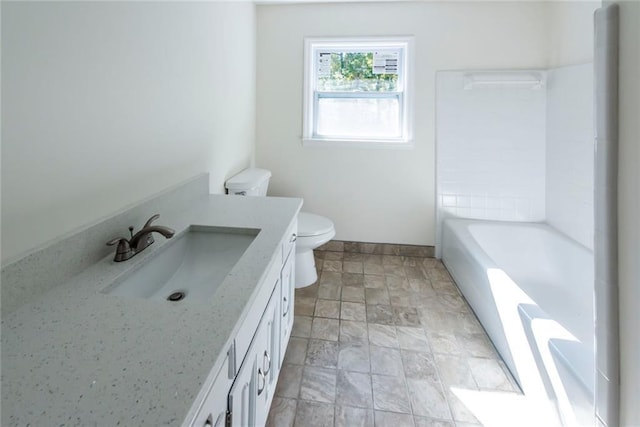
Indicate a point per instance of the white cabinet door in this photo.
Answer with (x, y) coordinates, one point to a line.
(287, 283)
(267, 370)
(253, 389)
(242, 402)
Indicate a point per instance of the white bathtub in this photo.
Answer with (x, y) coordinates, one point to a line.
(532, 289)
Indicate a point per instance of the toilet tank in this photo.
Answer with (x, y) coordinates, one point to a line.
(249, 182)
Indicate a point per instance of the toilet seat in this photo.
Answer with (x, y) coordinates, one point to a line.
(310, 225)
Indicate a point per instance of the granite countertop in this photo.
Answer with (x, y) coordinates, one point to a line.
(77, 356)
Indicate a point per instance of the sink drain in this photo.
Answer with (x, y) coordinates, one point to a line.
(176, 296)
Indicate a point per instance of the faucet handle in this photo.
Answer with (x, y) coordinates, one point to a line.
(123, 251)
(150, 220)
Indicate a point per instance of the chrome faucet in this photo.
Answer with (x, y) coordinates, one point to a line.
(138, 242)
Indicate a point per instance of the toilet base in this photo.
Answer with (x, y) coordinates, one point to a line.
(306, 273)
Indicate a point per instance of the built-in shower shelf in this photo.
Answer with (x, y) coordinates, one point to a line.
(520, 79)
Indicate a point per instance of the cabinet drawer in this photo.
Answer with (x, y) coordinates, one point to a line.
(287, 295)
(289, 242)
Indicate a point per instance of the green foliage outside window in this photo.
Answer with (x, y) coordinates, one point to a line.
(353, 72)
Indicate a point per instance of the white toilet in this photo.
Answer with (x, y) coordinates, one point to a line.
(313, 230)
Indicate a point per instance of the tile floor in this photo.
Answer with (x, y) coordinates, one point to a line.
(384, 340)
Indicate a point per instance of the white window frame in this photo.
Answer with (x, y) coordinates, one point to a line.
(404, 94)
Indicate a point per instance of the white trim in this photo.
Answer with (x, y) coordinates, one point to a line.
(405, 79)
(358, 143)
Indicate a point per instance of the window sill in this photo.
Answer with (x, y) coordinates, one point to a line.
(358, 143)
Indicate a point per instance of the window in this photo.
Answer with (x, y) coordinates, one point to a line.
(357, 91)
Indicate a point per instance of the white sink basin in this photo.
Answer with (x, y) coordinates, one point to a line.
(190, 268)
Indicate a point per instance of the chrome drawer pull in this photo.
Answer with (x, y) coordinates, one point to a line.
(264, 381)
(268, 368)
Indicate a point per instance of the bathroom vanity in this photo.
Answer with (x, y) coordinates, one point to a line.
(243, 387)
(79, 353)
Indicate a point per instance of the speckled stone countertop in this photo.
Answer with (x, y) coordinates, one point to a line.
(77, 356)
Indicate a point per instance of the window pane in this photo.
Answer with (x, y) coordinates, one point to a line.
(358, 117)
(354, 72)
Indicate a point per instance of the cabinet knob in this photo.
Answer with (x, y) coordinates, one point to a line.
(294, 237)
(287, 305)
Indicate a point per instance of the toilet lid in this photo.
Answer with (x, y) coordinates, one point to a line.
(313, 225)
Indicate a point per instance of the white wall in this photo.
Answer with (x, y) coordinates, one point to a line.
(379, 195)
(570, 151)
(629, 212)
(570, 32)
(106, 103)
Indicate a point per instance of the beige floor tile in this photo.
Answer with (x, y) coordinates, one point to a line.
(352, 331)
(376, 296)
(394, 270)
(322, 353)
(314, 414)
(419, 365)
(431, 422)
(460, 411)
(348, 416)
(353, 311)
(391, 419)
(428, 399)
(331, 278)
(318, 384)
(383, 335)
(304, 306)
(411, 338)
(301, 326)
(352, 267)
(477, 345)
(455, 371)
(405, 316)
(329, 291)
(354, 389)
(391, 260)
(386, 361)
(396, 283)
(282, 413)
(353, 279)
(353, 257)
(489, 374)
(354, 356)
(390, 394)
(331, 265)
(380, 314)
(444, 342)
(402, 297)
(374, 281)
(325, 329)
(296, 350)
(308, 291)
(353, 294)
(333, 256)
(327, 308)
(289, 381)
(373, 268)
